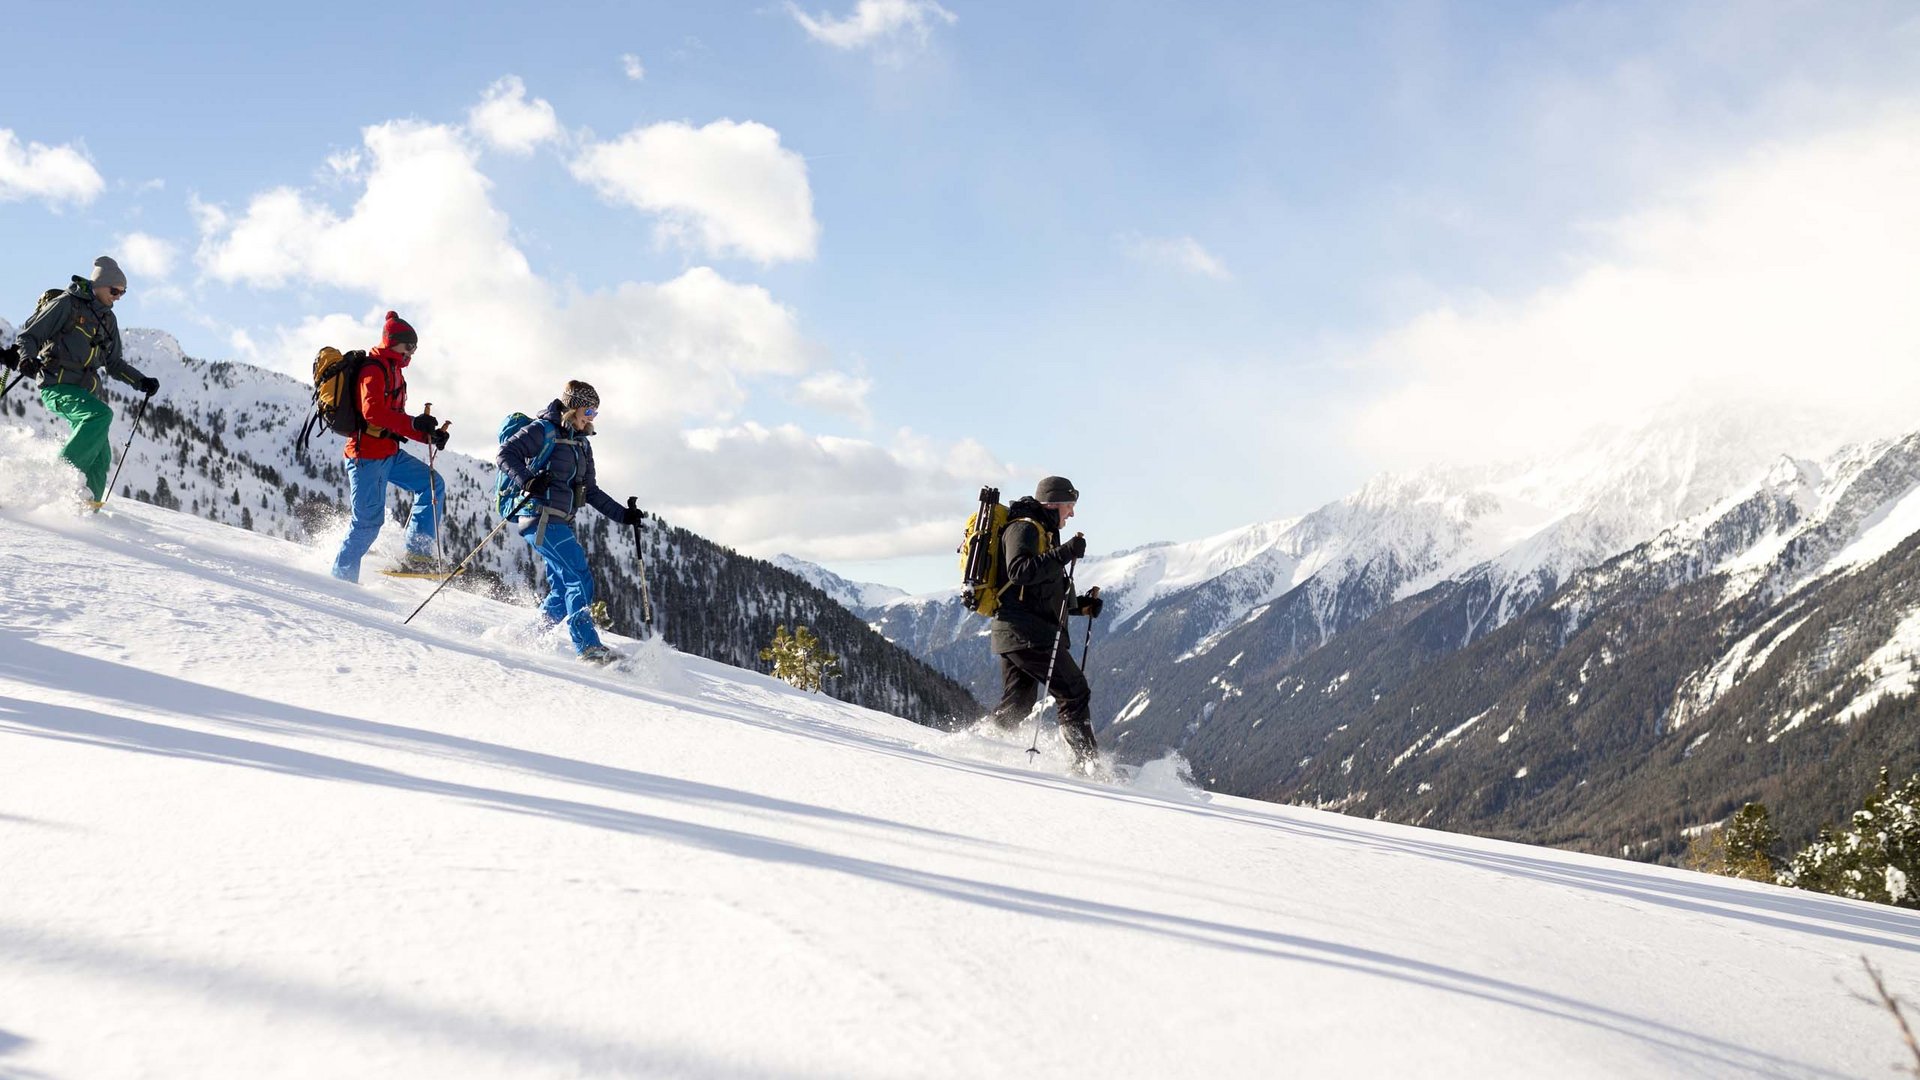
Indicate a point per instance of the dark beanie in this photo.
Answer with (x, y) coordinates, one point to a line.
(579, 395)
(1056, 489)
(397, 332)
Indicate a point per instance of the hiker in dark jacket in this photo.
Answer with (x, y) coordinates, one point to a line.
(374, 458)
(69, 344)
(556, 488)
(1029, 631)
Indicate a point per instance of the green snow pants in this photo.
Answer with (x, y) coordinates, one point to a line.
(88, 447)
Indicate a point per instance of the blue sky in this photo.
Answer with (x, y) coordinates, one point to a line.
(1210, 260)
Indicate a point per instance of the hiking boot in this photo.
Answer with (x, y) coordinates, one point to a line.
(598, 654)
(1078, 735)
(417, 562)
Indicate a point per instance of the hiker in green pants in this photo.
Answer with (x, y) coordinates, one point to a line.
(71, 340)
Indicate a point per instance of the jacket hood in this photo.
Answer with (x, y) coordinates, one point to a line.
(397, 359)
(552, 415)
(1026, 506)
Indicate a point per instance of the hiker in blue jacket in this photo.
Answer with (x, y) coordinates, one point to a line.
(551, 462)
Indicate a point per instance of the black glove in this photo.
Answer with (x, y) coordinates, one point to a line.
(1074, 549)
(438, 438)
(425, 425)
(537, 487)
(149, 386)
(29, 366)
(10, 356)
(1090, 606)
(632, 516)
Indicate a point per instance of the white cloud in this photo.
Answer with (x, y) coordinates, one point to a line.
(1784, 279)
(344, 163)
(1182, 253)
(630, 64)
(896, 24)
(836, 392)
(675, 361)
(770, 490)
(269, 245)
(511, 123)
(147, 256)
(726, 188)
(54, 174)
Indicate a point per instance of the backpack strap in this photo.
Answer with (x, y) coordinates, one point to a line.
(552, 437)
(386, 376)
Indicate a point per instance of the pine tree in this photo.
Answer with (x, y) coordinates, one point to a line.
(1750, 840)
(1877, 858)
(800, 658)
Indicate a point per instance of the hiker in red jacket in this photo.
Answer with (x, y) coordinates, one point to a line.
(374, 457)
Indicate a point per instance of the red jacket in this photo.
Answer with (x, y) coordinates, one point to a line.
(383, 402)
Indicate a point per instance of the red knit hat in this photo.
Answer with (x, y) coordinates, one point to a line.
(397, 331)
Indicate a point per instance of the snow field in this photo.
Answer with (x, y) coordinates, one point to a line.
(252, 826)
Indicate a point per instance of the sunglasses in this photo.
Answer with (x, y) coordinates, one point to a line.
(590, 413)
(116, 293)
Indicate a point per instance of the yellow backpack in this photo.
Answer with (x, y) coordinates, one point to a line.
(982, 568)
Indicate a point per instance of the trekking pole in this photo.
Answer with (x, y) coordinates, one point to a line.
(137, 417)
(522, 505)
(1040, 707)
(640, 560)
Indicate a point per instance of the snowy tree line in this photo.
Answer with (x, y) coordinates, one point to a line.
(1875, 856)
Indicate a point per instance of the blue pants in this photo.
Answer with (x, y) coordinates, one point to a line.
(368, 480)
(569, 582)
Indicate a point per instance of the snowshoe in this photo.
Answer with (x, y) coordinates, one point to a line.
(600, 654)
(416, 564)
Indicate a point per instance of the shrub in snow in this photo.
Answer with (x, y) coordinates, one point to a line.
(1875, 857)
(1742, 848)
(800, 658)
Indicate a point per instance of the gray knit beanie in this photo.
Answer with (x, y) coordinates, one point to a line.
(579, 395)
(1056, 489)
(106, 273)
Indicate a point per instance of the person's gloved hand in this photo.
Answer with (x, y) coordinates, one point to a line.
(1090, 605)
(425, 425)
(438, 438)
(633, 516)
(149, 386)
(10, 356)
(537, 487)
(1074, 549)
(30, 366)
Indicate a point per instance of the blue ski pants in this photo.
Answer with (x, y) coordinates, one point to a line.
(368, 480)
(569, 581)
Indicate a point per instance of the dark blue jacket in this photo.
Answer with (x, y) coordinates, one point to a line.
(570, 467)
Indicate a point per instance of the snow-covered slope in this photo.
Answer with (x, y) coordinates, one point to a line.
(252, 826)
(219, 442)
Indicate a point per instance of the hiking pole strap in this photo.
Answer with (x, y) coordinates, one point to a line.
(463, 562)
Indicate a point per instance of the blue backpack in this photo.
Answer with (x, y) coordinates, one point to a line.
(506, 495)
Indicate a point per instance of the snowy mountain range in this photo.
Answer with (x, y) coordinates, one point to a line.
(252, 825)
(1302, 659)
(1211, 647)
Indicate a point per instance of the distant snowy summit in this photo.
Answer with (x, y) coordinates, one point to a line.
(853, 595)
